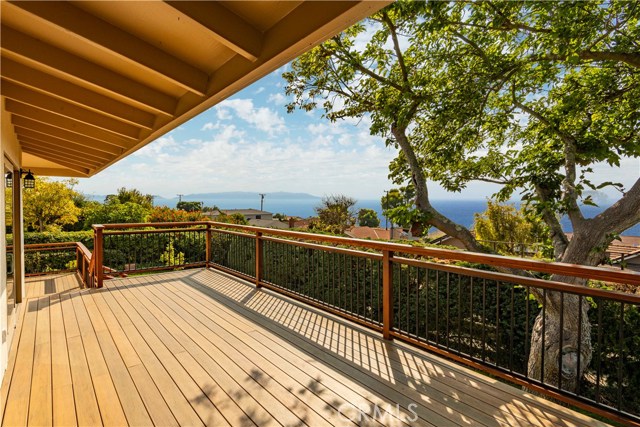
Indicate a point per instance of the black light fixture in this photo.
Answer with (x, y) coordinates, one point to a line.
(29, 181)
(8, 180)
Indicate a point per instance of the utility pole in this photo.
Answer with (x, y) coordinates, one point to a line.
(180, 197)
(262, 200)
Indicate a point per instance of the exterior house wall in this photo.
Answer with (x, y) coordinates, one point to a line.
(10, 150)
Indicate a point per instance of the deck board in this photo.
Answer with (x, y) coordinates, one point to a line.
(198, 347)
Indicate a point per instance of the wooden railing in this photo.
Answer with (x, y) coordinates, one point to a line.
(59, 257)
(475, 308)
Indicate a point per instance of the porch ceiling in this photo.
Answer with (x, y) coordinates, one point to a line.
(87, 83)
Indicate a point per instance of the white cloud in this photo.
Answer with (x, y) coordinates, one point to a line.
(210, 126)
(231, 161)
(277, 98)
(262, 118)
(259, 90)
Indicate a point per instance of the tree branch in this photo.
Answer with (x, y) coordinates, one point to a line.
(422, 194)
(569, 196)
(358, 65)
(629, 58)
(623, 214)
(396, 47)
(558, 238)
(475, 47)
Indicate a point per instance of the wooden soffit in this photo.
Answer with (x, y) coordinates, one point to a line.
(87, 83)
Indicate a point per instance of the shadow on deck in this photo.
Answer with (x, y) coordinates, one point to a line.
(200, 347)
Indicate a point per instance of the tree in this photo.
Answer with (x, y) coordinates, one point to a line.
(368, 218)
(527, 95)
(509, 229)
(49, 205)
(116, 213)
(133, 195)
(166, 214)
(189, 206)
(236, 218)
(335, 214)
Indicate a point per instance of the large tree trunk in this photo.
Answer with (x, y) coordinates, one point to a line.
(561, 348)
(564, 360)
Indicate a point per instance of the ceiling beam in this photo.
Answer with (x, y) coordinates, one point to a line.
(98, 144)
(79, 69)
(63, 122)
(107, 37)
(42, 82)
(63, 142)
(89, 153)
(62, 171)
(65, 163)
(53, 155)
(227, 27)
(45, 102)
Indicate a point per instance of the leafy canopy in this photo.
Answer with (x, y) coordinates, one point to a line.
(368, 218)
(527, 95)
(50, 205)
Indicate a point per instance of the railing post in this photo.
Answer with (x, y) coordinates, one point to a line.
(259, 263)
(98, 247)
(387, 293)
(208, 245)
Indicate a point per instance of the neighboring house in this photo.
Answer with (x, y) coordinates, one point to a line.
(625, 252)
(269, 223)
(377, 233)
(295, 222)
(248, 214)
(440, 238)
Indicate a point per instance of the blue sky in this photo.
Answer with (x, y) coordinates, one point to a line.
(249, 143)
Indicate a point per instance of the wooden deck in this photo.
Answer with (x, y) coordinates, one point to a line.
(199, 347)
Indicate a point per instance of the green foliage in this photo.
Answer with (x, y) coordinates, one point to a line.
(189, 206)
(133, 195)
(511, 231)
(335, 214)
(50, 205)
(526, 95)
(236, 218)
(368, 218)
(166, 214)
(85, 237)
(114, 212)
(280, 216)
(170, 257)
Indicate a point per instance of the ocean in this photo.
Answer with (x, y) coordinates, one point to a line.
(460, 211)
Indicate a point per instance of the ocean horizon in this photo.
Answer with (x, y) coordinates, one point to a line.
(460, 211)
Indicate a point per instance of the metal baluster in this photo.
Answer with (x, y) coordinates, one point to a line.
(561, 338)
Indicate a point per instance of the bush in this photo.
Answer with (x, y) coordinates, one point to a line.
(85, 237)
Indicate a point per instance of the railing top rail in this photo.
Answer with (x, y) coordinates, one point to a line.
(524, 281)
(150, 224)
(154, 231)
(47, 245)
(458, 255)
(85, 251)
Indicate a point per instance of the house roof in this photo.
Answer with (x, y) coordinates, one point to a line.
(269, 223)
(86, 83)
(245, 212)
(368, 233)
